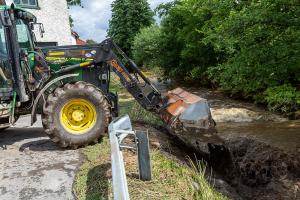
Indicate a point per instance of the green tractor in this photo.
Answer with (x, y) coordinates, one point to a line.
(69, 86)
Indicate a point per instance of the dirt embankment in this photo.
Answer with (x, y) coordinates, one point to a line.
(247, 169)
(257, 170)
(261, 158)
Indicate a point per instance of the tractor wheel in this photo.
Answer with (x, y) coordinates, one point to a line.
(76, 115)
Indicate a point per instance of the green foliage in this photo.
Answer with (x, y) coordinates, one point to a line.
(261, 40)
(184, 53)
(244, 47)
(146, 46)
(283, 98)
(73, 2)
(128, 17)
(71, 21)
(164, 8)
(91, 41)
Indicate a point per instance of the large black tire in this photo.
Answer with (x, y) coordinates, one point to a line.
(54, 105)
(144, 156)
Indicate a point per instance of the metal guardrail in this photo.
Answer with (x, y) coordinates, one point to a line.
(119, 129)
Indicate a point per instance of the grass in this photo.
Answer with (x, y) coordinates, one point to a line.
(171, 179)
(128, 105)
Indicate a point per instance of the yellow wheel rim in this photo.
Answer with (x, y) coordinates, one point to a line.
(78, 116)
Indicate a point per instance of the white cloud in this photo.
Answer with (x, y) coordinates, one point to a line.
(91, 21)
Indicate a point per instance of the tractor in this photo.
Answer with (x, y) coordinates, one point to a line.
(69, 86)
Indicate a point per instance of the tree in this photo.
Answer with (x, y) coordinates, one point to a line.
(91, 41)
(73, 2)
(185, 56)
(128, 17)
(146, 46)
(71, 21)
(249, 48)
(261, 40)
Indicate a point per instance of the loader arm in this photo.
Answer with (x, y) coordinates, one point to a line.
(136, 83)
(186, 115)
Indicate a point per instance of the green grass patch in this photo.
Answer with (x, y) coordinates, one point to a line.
(171, 180)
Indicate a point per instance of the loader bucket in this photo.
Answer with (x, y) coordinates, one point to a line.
(188, 117)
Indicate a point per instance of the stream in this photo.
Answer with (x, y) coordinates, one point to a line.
(236, 118)
(262, 159)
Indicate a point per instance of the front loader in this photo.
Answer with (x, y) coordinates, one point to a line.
(70, 87)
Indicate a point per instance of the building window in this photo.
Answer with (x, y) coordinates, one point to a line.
(27, 3)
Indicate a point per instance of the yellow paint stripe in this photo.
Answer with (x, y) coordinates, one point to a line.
(67, 59)
(85, 64)
(56, 53)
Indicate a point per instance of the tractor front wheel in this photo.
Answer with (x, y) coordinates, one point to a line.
(76, 115)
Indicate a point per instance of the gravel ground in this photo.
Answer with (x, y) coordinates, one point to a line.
(32, 167)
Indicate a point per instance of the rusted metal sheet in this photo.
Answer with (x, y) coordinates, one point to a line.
(188, 117)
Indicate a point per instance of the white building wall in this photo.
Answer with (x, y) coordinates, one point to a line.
(54, 14)
(73, 40)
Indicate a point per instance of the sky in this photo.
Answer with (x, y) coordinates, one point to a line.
(91, 21)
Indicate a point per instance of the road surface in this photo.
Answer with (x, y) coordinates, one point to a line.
(32, 167)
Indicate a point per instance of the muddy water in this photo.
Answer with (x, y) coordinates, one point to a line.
(262, 159)
(237, 118)
(283, 135)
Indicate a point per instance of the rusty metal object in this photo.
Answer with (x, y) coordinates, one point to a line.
(189, 118)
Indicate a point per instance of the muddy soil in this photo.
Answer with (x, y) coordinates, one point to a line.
(249, 169)
(257, 170)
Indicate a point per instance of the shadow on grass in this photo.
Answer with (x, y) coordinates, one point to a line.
(97, 183)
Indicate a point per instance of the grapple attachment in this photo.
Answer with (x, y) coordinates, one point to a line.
(188, 117)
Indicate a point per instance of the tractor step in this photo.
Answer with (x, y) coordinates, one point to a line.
(5, 122)
(5, 110)
(5, 125)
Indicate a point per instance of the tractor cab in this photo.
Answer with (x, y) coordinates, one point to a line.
(16, 43)
(17, 52)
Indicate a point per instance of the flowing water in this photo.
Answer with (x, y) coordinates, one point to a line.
(262, 159)
(237, 118)
(283, 135)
